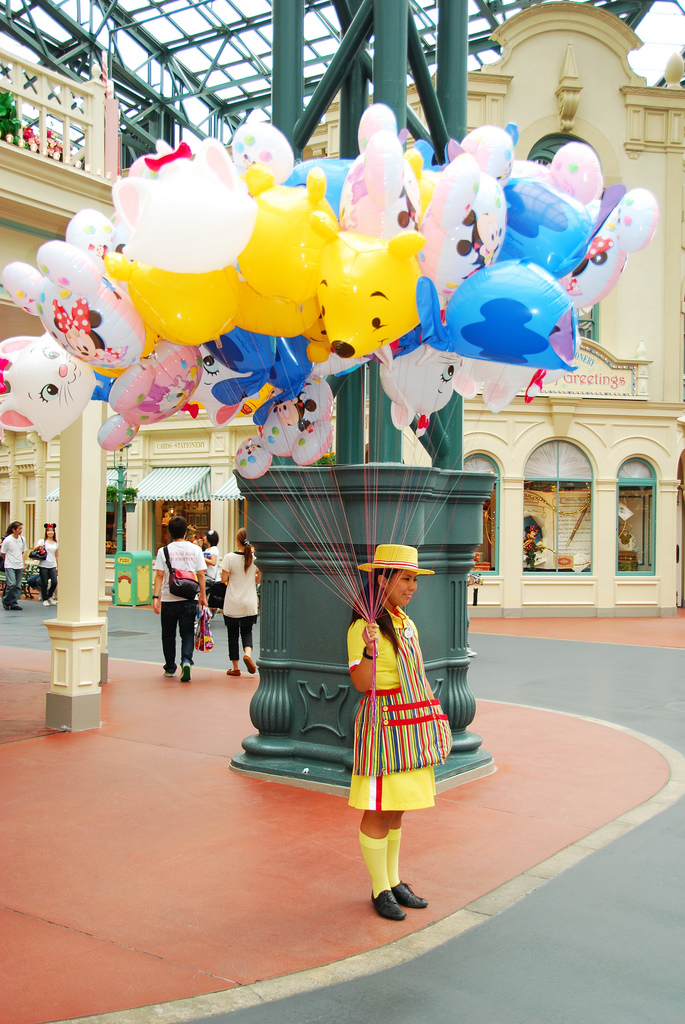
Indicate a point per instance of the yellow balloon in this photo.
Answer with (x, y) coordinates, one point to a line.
(367, 290)
(281, 260)
(187, 309)
(251, 404)
(274, 316)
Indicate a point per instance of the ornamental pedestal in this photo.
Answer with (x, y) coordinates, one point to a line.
(306, 527)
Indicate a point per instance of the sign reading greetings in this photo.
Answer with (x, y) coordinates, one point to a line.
(597, 376)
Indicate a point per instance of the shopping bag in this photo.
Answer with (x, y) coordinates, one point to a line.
(204, 641)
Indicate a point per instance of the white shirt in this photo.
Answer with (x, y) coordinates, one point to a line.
(182, 555)
(241, 589)
(212, 570)
(12, 548)
(50, 562)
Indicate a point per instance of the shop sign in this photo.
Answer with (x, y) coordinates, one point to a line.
(201, 445)
(596, 375)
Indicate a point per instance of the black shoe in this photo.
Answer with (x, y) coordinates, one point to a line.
(15, 608)
(406, 898)
(386, 905)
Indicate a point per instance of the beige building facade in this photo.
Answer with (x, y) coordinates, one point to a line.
(593, 466)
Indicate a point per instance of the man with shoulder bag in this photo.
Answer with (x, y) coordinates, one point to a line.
(14, 549)
(179, 585)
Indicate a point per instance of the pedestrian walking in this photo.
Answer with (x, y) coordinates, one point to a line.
(13, 547)
(212, 557)
(47, 567)
(240, 574)
(178, 613)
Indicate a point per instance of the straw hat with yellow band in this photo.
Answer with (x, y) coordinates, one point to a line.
(398, 557)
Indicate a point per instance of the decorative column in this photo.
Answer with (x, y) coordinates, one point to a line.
(73, 703)
(39, 463)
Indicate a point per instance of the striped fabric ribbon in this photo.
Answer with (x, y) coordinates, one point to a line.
(403, 729)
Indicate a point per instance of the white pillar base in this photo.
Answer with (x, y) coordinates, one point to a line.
(73, 702)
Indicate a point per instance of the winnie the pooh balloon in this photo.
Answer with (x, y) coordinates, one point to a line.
(367, 289)
(47, 390)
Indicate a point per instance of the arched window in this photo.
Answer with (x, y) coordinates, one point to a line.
(557, 510)
(635, 520)
(486, 556)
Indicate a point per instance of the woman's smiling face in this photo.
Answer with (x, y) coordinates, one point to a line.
(401, 587)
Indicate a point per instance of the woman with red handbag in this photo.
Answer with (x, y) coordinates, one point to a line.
(48, 564)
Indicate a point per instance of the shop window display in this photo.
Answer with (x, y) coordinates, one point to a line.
(485, 556)
(635, 519)
(557, 510)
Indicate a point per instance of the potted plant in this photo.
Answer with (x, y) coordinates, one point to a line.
(130, 495)
(112, 498)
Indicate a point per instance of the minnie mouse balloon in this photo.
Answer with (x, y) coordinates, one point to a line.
(83, 310)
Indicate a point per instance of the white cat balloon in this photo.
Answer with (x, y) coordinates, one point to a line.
(46, 389)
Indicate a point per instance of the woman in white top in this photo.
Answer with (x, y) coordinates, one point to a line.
(48, 565)
(212, 556)
(240, 574)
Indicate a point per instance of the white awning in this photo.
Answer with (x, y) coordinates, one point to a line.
(112, 478)
(228, 491)
(175, 483)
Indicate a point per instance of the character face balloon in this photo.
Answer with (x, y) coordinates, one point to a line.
(252, 459)
(83, 310)
(367, 291)
(419, 383)
(48, 389)
(381, 196)
(464, 226)
(194, 218)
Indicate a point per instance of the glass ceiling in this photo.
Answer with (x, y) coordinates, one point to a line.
(199, 67)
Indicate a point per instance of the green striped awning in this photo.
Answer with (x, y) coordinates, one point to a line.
(112, 478)
(175, 483)
(228, 491)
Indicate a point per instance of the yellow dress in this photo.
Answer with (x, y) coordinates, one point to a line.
(398, 791)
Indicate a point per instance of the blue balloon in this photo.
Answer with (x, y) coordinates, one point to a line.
(544, 225)
(102, 388)
(508, 313)
(335, 170)
(246, 353)
(289, 371)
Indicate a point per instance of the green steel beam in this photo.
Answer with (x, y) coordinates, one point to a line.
(424, 87)
(349, 419)
(335, 73)
(288, 68)
(385, 440)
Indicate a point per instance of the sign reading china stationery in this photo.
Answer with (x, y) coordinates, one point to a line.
(597, 376)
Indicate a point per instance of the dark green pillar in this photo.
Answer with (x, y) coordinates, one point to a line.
(390, 56)
(451, 79)
(349, 402)
(287, 77)
(451, 82)
(349, 419)
(389, 87)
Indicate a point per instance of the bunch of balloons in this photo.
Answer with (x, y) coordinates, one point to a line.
(240, 284)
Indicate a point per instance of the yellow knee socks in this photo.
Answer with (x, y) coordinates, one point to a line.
(393, 861)
(375, 853)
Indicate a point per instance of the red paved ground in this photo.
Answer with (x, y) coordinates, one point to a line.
(136, 869)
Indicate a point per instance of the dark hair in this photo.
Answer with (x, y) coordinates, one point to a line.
(177, 528)
(213, 538)
(248, 550)
(54, 530)
(12, 527)
(383, 620)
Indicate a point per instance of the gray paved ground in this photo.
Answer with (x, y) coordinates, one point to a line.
(134, 633)
(602, 943)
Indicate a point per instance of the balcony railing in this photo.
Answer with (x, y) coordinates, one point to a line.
(62, 119)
